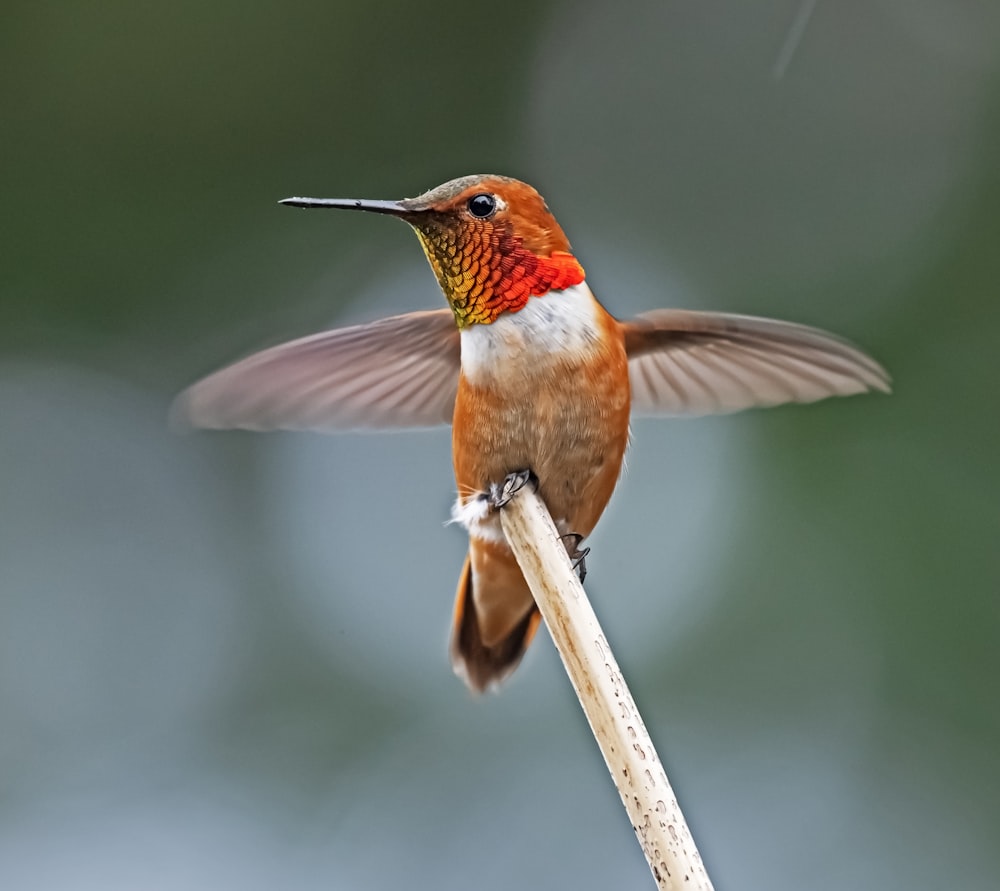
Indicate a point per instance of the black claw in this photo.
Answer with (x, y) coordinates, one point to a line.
(576, 556)
(500, 495)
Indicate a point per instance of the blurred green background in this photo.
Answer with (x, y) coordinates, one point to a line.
(222, 656)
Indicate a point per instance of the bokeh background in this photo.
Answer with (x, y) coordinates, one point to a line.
(222, 656)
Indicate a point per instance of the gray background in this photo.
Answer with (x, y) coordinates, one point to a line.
(222, 656)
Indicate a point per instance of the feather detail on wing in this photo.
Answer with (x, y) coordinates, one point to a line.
(692, 363)
(394, 373)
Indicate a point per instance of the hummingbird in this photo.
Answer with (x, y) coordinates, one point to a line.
(535, 377)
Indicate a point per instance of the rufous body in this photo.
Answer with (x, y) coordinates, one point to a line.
(555, 400)
(534, 375)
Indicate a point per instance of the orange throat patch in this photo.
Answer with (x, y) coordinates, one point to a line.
(487, 270)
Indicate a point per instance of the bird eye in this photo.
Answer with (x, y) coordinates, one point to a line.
(482, 206)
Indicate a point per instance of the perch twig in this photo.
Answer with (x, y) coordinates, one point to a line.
(614, 718)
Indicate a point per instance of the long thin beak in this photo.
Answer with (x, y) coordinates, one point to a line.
(393, 208)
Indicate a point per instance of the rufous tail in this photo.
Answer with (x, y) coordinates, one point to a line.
(482, 666)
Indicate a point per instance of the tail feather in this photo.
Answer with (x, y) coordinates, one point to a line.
(483, 666)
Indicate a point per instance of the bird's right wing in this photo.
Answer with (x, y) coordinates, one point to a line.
(390, 374)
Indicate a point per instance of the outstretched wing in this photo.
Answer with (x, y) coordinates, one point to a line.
(393, 373)
(693, 363)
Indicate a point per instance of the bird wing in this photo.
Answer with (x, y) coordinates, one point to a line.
(393, 373)
(691, 363)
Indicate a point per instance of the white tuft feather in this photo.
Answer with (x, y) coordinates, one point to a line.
(476, 517)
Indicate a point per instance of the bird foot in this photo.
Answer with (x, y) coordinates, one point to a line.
(501, 494)
(577, 557)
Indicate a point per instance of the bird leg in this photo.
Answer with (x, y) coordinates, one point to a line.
(577, 557)
(501, 494)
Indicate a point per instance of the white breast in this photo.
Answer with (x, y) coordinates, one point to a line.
(546, 328)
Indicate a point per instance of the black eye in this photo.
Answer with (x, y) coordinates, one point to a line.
(482, 206)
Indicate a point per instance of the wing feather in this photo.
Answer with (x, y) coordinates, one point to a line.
(683, 362)
(394, 373)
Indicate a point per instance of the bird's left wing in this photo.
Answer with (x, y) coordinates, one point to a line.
(690, 363)
(390, 374)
